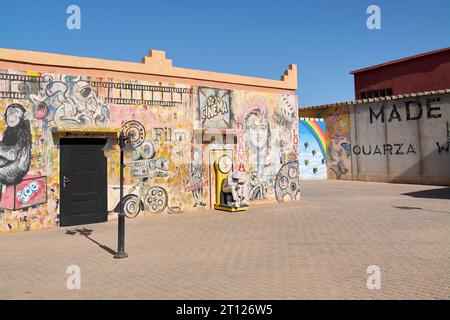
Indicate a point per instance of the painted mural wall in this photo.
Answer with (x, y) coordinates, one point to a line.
(312, 149)
(337, 126)
(177, 132)
(402, 140)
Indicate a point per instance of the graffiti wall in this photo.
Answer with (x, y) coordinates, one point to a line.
(312, 149)
(402, 140)
(28, 189)
(175, 131)
(270, 138)
(339, 161)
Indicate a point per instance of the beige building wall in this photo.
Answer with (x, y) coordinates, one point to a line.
(183, 120)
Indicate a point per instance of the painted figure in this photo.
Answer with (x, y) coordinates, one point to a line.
(259, 139)
(258, 189)
(196, 183)
(235, 184)
(76, 103)
(15, 147)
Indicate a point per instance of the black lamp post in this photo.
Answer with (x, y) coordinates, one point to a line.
(121, 254)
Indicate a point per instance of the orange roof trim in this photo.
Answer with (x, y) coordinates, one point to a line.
(155, 64)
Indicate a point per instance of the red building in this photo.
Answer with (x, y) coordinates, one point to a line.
(424, 72)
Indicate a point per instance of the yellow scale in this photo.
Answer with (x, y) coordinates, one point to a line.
(221, 168)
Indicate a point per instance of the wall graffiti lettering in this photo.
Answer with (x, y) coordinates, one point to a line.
(295, 144)
(431, 112)
(215, 108)
(240, 146)
(385, 149)
(168, 134)
(25, 195)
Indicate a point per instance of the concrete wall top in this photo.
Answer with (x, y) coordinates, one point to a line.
(154, 65)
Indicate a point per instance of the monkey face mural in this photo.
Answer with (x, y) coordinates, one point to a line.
(15, 147)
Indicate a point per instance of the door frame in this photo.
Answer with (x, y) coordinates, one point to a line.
(60, 171)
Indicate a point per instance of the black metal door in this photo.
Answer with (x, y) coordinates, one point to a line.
(83, 181)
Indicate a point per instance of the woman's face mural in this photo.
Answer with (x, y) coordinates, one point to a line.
(258, 128)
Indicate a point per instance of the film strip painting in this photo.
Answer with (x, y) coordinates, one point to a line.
(138, 94)
(17, 86)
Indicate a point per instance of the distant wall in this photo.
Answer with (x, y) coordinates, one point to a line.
(403, 140)
(427, 73)
(312, 149)
(338, 139)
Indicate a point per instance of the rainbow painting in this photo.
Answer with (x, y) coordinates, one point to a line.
(312, 149)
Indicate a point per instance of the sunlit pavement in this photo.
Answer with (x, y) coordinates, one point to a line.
(318, 248)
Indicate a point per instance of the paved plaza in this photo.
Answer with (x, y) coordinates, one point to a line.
(318, 248)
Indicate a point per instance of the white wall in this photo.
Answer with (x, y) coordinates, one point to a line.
(399, 149)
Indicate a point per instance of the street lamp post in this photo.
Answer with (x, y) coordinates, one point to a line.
(121, 254)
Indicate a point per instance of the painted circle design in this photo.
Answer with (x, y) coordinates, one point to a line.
(225, 164)
(131, 206)
(293, 172)
(135, 131)
(283, 182)
(156, 199)
(287, 183)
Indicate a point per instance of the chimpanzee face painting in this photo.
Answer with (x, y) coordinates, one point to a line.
(13, 115)
(15, 147)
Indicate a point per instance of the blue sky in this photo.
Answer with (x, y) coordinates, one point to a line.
(325, 38)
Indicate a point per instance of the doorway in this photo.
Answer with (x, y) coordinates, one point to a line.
(83, 181)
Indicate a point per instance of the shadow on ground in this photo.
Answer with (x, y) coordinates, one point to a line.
(87, 234)
(418, 208)
(441, 193)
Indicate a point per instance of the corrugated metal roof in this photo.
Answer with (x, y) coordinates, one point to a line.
(396, 97)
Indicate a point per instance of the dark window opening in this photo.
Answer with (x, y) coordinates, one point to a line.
(375, 93)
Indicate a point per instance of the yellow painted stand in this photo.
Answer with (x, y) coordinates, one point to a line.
(220, 177)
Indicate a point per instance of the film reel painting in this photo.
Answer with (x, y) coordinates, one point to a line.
(287, 182)
(135, 131)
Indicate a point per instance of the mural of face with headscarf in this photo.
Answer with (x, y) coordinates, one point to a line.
(258, 129)
(259, 141)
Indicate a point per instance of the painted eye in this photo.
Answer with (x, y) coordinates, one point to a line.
(85, 92)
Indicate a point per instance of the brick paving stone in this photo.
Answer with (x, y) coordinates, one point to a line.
(318, 248)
